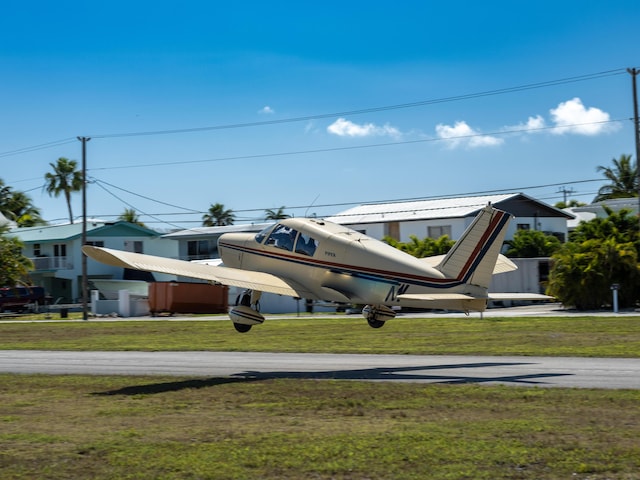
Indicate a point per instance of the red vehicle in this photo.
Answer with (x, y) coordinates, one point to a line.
(18, 299)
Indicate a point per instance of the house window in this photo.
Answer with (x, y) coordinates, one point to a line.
(438, 231)
(97, 243)
(134, 246)
(524, 226)
(36, 250)
(197, 249)
(59, 255)
(392, 229)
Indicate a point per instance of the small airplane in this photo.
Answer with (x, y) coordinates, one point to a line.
(319, 260)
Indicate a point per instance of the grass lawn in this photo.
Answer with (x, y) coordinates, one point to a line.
(615, 336)
(59, 427)
(118, 427)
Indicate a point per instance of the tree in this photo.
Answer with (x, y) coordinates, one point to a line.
(64, 179)
(622, 226)
(583, 273)
(600, 253)
(571, 203)
(276, 214)
(532, 244)
(15, 266)
(18, 207)
(23, 212)
(218, 216)
(622, 177)
(130, 215)
(422, 248)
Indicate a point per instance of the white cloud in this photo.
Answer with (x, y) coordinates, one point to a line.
(461, 134)
(266, 110)
(346, 128)
(579, 119)
(533, 123)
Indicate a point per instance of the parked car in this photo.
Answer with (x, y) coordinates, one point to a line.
(18, 299)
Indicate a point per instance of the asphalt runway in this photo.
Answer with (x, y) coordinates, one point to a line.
(603, 373)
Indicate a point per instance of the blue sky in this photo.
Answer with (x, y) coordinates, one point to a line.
(320, 106)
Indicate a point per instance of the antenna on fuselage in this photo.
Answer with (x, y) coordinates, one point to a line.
(312, 203)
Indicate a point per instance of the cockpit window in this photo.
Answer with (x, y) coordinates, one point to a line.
(282, 237)
(306, 245)
(260, 236)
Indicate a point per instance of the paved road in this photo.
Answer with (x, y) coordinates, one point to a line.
(523, 371)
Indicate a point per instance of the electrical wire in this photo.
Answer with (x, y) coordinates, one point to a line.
(356, 147)
(519, 88)
(579, 78)
(131, 206)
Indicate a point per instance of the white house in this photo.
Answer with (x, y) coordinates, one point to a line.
(57, 256)
(451, 216)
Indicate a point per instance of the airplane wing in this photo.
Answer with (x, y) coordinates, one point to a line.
(234, 277)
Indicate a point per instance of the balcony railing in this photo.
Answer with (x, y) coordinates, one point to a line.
(52, 263)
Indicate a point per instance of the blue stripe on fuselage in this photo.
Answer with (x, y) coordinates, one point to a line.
(361, 272)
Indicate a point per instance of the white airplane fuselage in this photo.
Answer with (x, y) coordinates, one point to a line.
(345, 265)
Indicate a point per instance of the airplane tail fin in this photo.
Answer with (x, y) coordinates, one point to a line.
(473, 257)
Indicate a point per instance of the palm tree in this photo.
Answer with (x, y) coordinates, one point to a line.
(65, 179)
(276, 214)
(623, 178)
(23, 212)
(18, 207)
(130, 215)
(218, 216)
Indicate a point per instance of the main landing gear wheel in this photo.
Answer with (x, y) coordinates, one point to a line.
(377, 315)
(373, 323)
(241, 327)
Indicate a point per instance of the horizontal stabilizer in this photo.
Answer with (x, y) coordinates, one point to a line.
(431, 297)
(519, 296)
(503, 264)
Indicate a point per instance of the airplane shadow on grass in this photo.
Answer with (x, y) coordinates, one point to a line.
(401, 374)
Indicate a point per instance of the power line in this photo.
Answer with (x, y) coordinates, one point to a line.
(369, 202)
(131, 206)
(549, 83)
(41, 146)
(421, 103)
(142, 196)
(358, 147)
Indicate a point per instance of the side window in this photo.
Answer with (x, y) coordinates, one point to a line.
(306, 245)
(282, 237)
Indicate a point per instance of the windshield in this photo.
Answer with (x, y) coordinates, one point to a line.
(260, 236)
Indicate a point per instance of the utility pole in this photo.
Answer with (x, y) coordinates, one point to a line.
(636, 129)
(85, 281)
(565, 192)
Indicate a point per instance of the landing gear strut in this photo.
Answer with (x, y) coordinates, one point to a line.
(246, 312)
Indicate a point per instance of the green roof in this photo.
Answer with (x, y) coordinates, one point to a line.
(52, 233)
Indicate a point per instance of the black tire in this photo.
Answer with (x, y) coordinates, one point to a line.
(241, 327)
(375, 323)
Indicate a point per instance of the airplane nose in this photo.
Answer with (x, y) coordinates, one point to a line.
(231, 247)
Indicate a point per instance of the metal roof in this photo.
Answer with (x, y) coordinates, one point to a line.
(216, 231)
(418, 210)
(69, 231)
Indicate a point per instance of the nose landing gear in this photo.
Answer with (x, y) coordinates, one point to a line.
(245, 313)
